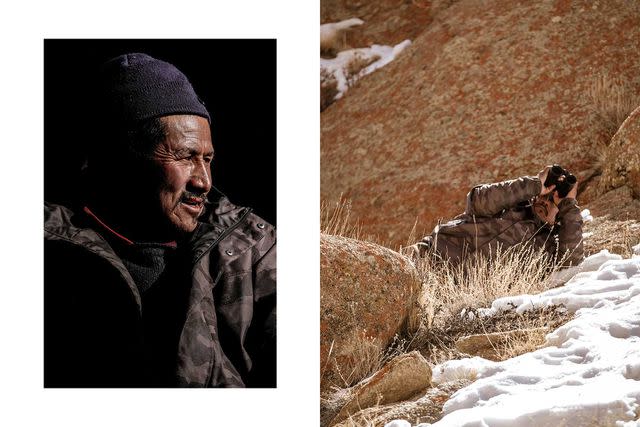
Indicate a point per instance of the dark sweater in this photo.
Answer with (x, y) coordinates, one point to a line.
(162, 274)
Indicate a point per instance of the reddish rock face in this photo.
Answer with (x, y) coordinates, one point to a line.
(486, 92)
(367, 292)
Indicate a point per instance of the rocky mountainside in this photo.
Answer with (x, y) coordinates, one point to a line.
(486, 91)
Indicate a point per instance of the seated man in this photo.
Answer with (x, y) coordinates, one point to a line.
(155, 279)
(509, 213)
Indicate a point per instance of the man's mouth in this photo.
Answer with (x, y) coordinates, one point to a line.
(193, 201)
(193, 204)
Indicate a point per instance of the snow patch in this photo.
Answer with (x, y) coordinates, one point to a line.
(469, 368)
(339, 66)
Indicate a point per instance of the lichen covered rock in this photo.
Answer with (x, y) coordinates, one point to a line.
(367, 293)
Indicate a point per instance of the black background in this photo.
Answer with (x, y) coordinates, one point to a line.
(236, 79)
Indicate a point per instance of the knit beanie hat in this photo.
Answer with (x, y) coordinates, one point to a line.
(135, 87)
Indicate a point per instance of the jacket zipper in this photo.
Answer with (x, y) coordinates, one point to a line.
(224, 234)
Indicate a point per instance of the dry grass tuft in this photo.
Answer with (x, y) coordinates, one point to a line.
(617, 236)
(613, 100)
(367, 357)
(474, 284)
(480, 280)
(336, 220)
(438, 344)
(525, 341)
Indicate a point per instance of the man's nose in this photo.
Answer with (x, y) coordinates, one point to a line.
(201, 177)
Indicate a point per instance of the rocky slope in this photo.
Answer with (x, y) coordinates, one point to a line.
(487, 91)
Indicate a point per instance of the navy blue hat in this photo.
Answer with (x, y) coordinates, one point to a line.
(136, 87)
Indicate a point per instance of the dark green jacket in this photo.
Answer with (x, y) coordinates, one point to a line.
(93, 312)
(500, 216)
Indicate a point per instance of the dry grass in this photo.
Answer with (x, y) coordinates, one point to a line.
(435, 323)
(336, 220)
(367, 357)
(613, 100)
(476, 283)
(362, 418)
(526, 341)
(480, 280)
(617, 236)
(438, 344)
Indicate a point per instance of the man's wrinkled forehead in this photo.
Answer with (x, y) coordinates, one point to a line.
(187, 133)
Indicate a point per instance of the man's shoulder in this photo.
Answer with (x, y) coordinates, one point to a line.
(63, 223)
(57, 216)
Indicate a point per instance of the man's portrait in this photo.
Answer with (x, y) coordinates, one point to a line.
(159, 219)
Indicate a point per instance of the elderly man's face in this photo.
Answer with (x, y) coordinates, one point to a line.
(183, 162)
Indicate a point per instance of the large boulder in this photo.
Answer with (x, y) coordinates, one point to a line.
(487, 91)
(621, 160)
(367, 293)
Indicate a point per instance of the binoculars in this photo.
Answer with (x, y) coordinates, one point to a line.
(563, 180)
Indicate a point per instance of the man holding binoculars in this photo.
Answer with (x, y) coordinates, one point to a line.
(538, 210)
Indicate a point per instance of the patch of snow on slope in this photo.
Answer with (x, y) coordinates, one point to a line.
(340, 65)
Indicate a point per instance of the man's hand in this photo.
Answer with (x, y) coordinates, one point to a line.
(543, 177)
